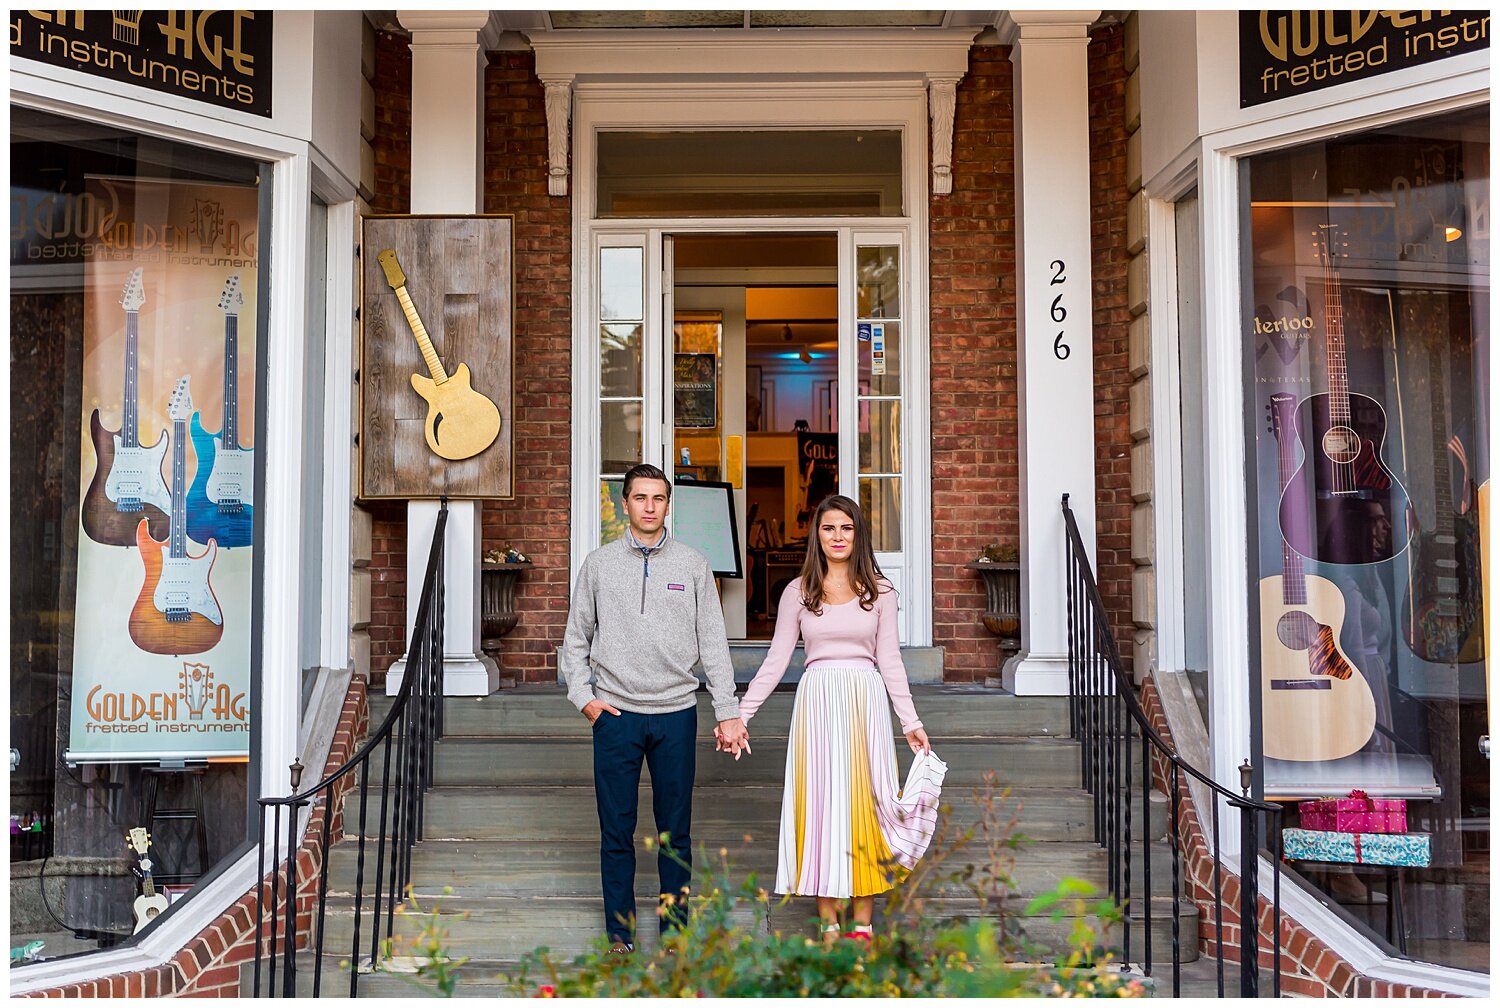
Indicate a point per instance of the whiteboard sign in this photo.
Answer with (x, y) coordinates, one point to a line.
(703, 517)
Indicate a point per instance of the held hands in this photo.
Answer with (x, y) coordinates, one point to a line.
(917, 739)
(731, 736)
(594, 709)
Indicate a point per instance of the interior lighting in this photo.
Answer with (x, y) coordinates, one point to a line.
(1452, 233)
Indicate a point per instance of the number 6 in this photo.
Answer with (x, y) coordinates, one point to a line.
(1061, 349)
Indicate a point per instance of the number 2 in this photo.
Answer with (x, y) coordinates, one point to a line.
(1057, 277)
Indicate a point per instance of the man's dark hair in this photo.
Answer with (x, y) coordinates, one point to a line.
(645, 471)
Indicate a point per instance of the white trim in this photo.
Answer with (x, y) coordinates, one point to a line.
(338, 406)
(1168, 561)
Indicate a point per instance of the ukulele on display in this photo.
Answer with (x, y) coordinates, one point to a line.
(176, 612)
(219, 503)
(127, 486)
(1315, 705)
(150, 904)
(1343, 506)
(461, 422)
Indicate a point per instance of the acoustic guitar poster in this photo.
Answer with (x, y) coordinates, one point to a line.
(1368, 460)
(161, 657)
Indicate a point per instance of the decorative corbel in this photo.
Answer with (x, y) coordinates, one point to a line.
(559, 103)
(942, 99)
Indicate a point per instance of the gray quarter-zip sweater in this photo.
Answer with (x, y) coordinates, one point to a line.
(640, 622)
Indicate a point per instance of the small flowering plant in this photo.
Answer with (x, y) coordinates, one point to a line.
(727, 946)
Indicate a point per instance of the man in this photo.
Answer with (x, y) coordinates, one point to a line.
(645, 611)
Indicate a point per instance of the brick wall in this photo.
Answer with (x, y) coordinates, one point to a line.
(1112, 439)
(975, 491)
(392, 146)
(537, 521)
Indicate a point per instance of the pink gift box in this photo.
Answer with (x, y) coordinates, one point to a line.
(1358, 813)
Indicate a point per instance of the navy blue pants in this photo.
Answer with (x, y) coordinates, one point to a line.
(667, 743)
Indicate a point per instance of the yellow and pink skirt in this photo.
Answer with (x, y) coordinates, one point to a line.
(848, 827)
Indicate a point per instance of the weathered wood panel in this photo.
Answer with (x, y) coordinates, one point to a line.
(460, 277)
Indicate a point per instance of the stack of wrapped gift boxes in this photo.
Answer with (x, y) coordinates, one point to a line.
(1356, 829)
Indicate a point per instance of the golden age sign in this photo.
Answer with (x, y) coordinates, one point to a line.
(435, 385)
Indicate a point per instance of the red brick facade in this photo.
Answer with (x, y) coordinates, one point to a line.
(1112, 438)
(975, 467)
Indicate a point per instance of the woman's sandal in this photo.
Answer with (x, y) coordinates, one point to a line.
(830, 933)
(860, 932)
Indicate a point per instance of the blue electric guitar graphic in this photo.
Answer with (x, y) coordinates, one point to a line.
(219, 505)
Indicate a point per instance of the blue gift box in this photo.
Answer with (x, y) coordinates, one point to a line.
(1409, 850)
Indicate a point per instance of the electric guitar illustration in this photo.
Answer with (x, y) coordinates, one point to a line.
(461, 423)
(1440, 621)
(150, 904)
(176, 612)
(1315, 705)
(219, 503)
(127, 484)
(1343, 506)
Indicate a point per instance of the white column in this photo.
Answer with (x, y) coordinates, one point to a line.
(1055, 366)
(447, 143)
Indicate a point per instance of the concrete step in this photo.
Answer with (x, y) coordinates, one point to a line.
(501, 930)
(950, 711)
(522, 869)
(721, 813)
(1033, 762)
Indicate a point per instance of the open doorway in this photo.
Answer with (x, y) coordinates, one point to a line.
(755, 396)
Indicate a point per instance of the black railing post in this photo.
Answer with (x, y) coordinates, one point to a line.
(414, 722)
(1104, 710)
(1249, 886)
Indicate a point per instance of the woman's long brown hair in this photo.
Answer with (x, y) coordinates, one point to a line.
(863, 570)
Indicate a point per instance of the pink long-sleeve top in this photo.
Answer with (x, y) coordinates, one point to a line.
(847, 632)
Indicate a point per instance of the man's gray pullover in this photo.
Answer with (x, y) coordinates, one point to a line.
(639, 625)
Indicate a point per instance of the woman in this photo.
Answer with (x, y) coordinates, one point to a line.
(845, 834)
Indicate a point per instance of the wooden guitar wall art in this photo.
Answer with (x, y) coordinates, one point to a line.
(437, 321)
(460, 422)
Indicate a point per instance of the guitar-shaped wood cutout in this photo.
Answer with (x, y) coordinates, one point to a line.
(1315, 705)
(460, 423)
(150, 904)
(219, 503)
(1440, 621)
(176, 612)
(127, 484)
(1343, 506)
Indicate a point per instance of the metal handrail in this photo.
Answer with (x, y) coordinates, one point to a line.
(1103, 711)
(404, 741)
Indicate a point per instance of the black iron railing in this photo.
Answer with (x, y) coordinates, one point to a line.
(395, 763)
(1106, 716)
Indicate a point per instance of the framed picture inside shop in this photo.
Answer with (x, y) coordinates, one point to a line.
(437, 325)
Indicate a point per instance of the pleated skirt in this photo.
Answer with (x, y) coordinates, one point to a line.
(847, 826)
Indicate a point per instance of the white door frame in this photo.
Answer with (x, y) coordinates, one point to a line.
(674, 104)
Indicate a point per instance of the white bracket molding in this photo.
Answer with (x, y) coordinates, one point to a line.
(934, 60)
(942, 100)
(559, 104)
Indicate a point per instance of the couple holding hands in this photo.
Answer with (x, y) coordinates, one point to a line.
(645, 612)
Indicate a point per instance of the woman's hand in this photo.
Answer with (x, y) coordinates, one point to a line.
(917, 739)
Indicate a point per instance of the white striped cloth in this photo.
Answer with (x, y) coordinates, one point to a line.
(847, 829)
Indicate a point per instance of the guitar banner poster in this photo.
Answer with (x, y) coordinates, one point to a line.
(161, 657)
(1368, 380)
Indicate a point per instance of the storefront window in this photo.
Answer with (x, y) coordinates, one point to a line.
(1367, 318)
(878, 346)
(136, 292)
